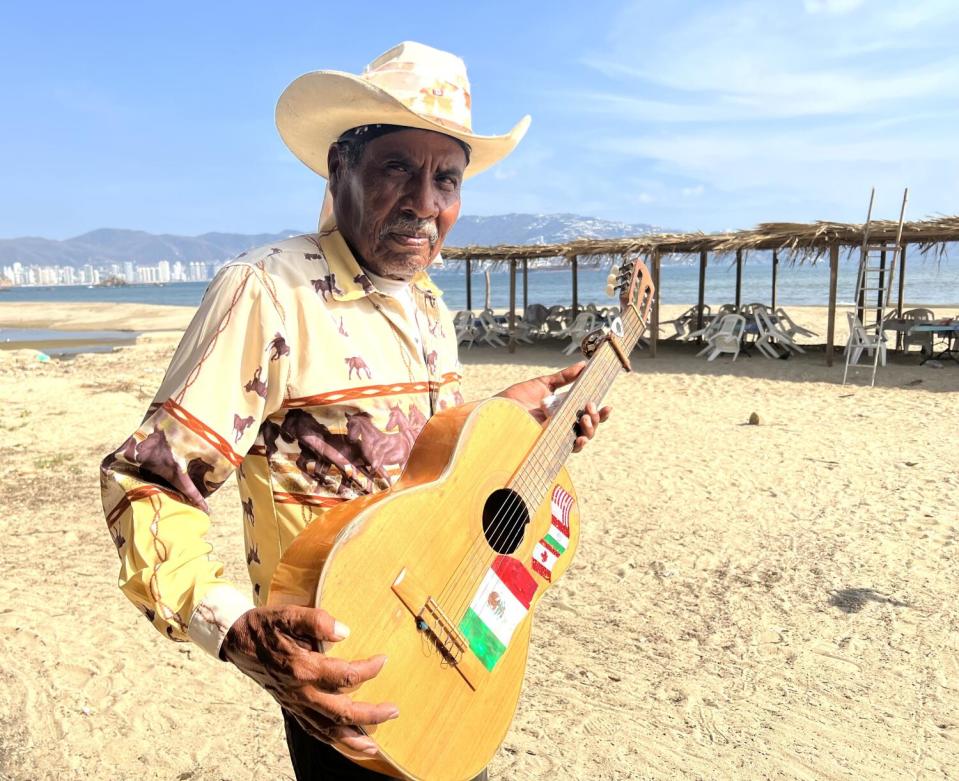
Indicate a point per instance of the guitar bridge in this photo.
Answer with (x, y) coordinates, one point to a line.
(431, 619)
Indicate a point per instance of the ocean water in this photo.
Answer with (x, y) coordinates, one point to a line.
(927, 282)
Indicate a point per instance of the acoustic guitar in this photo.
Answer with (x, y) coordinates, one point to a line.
(442, 572)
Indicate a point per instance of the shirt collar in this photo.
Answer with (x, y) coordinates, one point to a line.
(351, 281)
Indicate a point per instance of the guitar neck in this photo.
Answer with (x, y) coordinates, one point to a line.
(544, 462)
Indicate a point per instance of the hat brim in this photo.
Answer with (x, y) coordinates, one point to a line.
(317, 108)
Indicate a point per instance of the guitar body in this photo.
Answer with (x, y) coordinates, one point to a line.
(408, 569)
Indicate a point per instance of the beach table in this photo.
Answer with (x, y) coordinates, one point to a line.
(946, 329)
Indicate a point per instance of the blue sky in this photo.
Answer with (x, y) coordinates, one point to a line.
(690, 115)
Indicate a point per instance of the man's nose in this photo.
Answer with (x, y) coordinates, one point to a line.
(421, 197)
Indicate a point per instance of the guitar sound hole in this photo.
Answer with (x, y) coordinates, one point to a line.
(504, 520)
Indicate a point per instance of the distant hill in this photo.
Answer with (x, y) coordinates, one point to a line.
(109, 245)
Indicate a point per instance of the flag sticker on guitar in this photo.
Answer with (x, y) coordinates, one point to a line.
(556, 541)
(560, 503)
(501, 603)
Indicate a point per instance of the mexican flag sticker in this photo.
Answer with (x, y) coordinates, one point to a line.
(501, 603)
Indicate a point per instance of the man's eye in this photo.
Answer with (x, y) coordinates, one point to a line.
(396, 167)
(449, 182)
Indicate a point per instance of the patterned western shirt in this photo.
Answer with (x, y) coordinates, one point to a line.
(304, 379)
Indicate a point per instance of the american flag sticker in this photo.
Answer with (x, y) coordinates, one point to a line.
(554, 544)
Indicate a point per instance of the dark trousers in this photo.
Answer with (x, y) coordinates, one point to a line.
(314, 760)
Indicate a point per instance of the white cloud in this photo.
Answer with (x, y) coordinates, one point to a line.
(776, 110)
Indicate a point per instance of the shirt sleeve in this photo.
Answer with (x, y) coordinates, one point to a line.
(228, 374)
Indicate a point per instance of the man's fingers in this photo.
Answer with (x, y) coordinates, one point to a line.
(352, 738)
(343, 711)
(333, 674)
(564, 376)
(312, 623)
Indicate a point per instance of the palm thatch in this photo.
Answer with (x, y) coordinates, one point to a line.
(800, 242)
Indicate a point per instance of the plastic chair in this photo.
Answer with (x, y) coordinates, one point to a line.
(860, 340)
(788, 326)
(923, 338)
(584, 323)
(769, 331)
(727, 338)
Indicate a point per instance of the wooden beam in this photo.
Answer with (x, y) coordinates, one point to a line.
(739, 278)
(833, 280)
(654, 330)
(469, 285)
(512, 306)
(902, 287)
(701, 300)
(525, 284)
(574, 263)
(772, 304)
(882, 285)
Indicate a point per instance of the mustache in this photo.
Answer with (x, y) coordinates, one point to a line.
(411, 226)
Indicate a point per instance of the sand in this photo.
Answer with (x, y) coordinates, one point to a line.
(759, 602)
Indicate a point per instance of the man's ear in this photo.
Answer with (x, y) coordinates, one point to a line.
(333, 164)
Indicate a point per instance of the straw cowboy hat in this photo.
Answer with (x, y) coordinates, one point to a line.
(411, 85)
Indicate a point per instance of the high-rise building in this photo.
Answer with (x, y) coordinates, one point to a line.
(163, 271)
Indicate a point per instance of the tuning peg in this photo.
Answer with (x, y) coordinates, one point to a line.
(610, 290)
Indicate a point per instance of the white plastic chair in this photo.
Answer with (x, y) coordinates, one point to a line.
(727, 338)
(584, 323)
(463, 323)
(769, 330)
(922, 338)
(789, 326)
(860, 340)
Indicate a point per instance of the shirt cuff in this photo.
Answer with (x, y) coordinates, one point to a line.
(220, 607)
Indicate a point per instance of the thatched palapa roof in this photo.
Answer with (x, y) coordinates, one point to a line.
(799, 241)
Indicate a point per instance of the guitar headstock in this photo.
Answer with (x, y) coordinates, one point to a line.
(633, 282)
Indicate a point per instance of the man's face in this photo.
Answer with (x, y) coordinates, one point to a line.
(396, 204)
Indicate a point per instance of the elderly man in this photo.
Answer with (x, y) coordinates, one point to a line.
(289, 343)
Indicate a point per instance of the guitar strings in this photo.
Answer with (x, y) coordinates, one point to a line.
(512, 510)
(541, 474)
(533, 485)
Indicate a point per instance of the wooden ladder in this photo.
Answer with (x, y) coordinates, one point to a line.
(875, 276)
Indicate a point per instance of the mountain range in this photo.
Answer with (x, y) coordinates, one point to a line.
(110, 245)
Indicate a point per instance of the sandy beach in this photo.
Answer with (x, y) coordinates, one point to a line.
(748, 602)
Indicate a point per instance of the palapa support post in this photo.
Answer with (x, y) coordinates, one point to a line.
(575, 265)
(772, 304)
(525, 285)
(739, 278)
(902, 286)
(882, 285)
(701, 300)
(512, 306)
(833, 280)
(469, 285)
(654, 330)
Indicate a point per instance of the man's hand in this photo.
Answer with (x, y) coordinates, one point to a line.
(532, 393)
(279, 648)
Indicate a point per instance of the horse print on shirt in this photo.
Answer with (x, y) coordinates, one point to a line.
(326, 286)
(359, 365)
(321, 449)
(256, 385)
(155, 458)
(278, 347)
